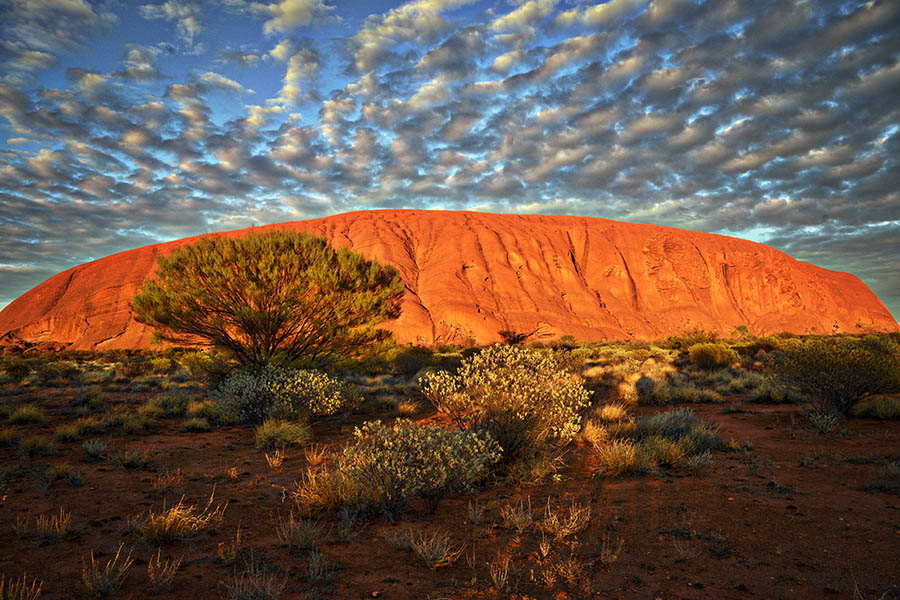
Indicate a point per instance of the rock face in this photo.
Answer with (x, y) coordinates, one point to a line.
(471, 275)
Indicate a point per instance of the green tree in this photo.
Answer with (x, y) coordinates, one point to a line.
(270, 298)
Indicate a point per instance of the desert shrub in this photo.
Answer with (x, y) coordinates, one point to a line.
(411, 360)
(283, 393)
(8, 436)
(208, 366)
(886, 407)
(523, 398)
(161, 365)
(195, 424)
(35, 445)
(278, 433)
(435, 549)
(771, 392)
(835, 374)
(386, 465)
(687, 339)
(712, 356)
(16, 369)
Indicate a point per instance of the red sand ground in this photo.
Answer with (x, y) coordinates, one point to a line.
(786, 518)
(471, 275)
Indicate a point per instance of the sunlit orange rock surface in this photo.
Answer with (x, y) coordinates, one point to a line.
(472, 275)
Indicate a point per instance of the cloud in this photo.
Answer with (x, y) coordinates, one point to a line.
(420, 21)
(527, 15)
(287, 15)
(186, 16)
(36, 32)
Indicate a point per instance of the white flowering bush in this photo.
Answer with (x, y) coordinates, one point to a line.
(274, 392)
(386, 465)
(526, 399)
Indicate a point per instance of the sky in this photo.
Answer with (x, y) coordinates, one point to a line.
(124, 123)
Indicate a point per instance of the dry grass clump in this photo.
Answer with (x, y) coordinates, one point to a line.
(255, 582)
(278, 433)
(101, 581)
(18, 589)
(435, 549)
(196, 424)
(94, 448)
(28, 413)
(666, 439)
(53, 528)
(180, 522)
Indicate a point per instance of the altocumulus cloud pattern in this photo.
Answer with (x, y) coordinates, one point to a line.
(125, 124)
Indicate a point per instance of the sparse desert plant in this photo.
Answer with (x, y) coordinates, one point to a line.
(180, 522)
(35, 445)
(712, 356)
(435, 549)
(835, 374)
(28, 413)
(385, 466)
(274, 297)
(498, 569)
(518, 516)
(171, 403)
(253, 396)
(318, 567)
(279, 433)
(19, 589)
(298, 533)
(562, 525)
(524, 398)
(161, 573)
(276, 459)
(53, 528)
(165, 482)
(101, 581)
(255, 582)
(823, 420)
(94, 448)
(229, 552)
(610, 550)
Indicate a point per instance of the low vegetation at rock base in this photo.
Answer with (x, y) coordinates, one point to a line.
(569, 470)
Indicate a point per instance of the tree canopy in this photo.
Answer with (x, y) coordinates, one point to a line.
(270, 298)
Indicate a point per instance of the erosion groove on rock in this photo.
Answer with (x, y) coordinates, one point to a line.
(471, 275)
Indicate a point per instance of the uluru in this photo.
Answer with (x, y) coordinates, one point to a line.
(471, 275)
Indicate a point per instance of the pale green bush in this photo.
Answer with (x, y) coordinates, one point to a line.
(386, 465)
(526, 399)
(712, 356)
(281, 393)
